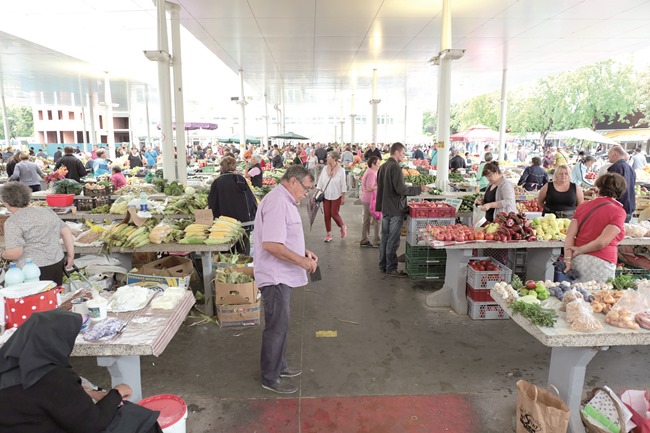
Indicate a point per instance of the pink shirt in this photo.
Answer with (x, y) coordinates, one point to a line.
(278, 220)
(118, 180)
(368, 180)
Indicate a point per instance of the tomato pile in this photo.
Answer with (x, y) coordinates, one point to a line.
(529, 206)
(455, 233)
(483, 265)
(268, 181)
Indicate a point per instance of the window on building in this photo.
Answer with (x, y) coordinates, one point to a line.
(60, 115)
(40, 114)
(49, 114)
(71, 115)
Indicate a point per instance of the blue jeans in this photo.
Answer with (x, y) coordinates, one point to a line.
(391, 228)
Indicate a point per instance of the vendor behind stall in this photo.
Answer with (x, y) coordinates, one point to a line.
(534, 176)
(76, 169)
(117, 178)
(230, 196)
(560, 197)
(34, 233)
(500, 194)
(254, 171)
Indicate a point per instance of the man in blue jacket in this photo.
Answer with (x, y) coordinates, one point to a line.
(618, 157)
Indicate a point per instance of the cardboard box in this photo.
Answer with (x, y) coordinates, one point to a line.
(238, 315)
(171, 266)
(236, 293)
(140, 259)
(153, 281)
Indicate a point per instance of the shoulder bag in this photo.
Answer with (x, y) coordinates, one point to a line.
(320, 195)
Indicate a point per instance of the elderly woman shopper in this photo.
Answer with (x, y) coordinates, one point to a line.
(276, 159)
(41, 393)
(12, 161)
(231, 196)
(580, 171)
(332, 183)
(499, 195)
(254, 171)
(560, 197)
(28, 173)
(534, 176)
(33, 233)
(368, 191)
(597, 227)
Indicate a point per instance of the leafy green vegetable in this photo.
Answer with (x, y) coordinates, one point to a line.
(535, 314)
(68, 186)
(623, 282)
(516, 283)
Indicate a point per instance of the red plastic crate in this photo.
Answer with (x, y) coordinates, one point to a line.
(416, 211)
(487, 279)
(445, 211)
(424, 209)
(478, 295)
(59, 200)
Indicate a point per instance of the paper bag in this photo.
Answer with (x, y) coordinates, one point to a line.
(539, 410)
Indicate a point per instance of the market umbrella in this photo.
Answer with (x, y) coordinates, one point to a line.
(478, 133)
(584, 134)
(290, 136)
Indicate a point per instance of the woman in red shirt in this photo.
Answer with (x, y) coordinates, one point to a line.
(117, 178)
(597, 227)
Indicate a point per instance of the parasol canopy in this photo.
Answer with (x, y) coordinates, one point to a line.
(585, 134)
(290, 136)
(235, 139)
(478, 133)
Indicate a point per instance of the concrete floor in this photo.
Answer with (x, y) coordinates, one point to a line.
(399, 350)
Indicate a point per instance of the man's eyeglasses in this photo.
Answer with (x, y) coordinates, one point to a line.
(307, 189)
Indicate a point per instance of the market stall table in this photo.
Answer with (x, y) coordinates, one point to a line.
(572, 351)
(539, 266)
(204, 250)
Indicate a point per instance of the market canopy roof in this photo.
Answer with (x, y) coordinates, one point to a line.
(478, 133)
(290, 136)
(585, 134)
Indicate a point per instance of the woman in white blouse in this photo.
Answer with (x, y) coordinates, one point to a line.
(332, 183)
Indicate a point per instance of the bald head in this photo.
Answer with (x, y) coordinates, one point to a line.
(616, 153)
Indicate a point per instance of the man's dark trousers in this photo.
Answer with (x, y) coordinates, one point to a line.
(276, 300)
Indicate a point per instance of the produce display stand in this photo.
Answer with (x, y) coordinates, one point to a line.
(205, 252)
(539, 266)
(113, 217)
(572, 351)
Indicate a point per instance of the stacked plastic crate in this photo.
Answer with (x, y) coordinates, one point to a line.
(422, 261)
(480, 305)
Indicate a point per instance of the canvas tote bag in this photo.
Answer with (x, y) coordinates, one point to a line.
(539, 410)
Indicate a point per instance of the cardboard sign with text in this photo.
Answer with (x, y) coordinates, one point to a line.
(204, 216)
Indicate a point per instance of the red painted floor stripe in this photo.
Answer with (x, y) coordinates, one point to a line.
(370, 414)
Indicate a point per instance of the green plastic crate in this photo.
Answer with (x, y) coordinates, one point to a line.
(424, 252)
(639, 273)
(424, 271)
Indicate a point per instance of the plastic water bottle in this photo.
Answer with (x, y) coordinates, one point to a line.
(31, 271)
(144, 205)
(14, 276)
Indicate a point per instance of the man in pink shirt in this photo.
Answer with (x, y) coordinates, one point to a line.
(281, 263)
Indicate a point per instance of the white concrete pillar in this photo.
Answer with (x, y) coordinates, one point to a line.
(110, 127)
(502, 122)
(164, 89)
(146, 115)
(91, 114)
(242, 118)
(179, 111)
(444, 105)
(374, 101)
(5, 119)
(266, 122)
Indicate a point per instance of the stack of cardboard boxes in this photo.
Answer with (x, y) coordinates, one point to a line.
(238, 304)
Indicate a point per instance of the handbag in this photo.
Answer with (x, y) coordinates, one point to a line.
(320, 195)
(539, 410)
(560, 265)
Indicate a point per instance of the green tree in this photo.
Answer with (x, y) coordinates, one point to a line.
(21, 122)
(601, 91)
(483, 109)
(429, 123)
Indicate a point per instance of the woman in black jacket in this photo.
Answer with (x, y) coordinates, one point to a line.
(231, 196)
(40, 392)
(534, 176)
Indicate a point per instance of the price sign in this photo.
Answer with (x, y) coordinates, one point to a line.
(455, 202)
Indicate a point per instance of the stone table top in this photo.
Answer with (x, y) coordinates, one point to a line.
(562, 336)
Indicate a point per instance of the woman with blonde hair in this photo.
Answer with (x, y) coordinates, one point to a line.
(332, 183)
(560, 197)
